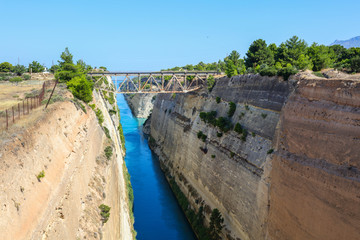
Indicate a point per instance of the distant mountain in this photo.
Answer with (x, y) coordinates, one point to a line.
(353, 42)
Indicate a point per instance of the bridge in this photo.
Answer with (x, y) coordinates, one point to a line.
(151, 82)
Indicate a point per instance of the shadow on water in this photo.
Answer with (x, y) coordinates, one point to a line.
(156, 211)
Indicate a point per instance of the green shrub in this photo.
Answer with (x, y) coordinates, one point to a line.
(263, 115)
(244, 135)
(122, 137)
(108, 152)
(104, 212)
(219, 134)
(253, 134)
(232, 154)
(16, 79)
(112, 112)
(26, 77)
(210, 82)
(218, 99)
(92, 106)
(201, 136)
(238, 128)
(99, 116)
(287, 71)
(107, 133)
(40, 175)
(224, 124)
(231, 109)
(247, 107)
(213, 156)
(270, 151)
(81, 88)
(268, 71)
(318, 74)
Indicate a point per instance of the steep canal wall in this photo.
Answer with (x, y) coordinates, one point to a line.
(66, 144)
(267, 171)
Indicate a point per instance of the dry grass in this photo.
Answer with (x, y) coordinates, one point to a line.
(11, 94)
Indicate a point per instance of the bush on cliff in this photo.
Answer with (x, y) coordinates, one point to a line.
(104, 212)
(81, 88)
(232, 108)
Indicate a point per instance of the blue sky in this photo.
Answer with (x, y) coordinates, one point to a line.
(153, 35)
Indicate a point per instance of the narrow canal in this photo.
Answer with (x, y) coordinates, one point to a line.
(157, 214)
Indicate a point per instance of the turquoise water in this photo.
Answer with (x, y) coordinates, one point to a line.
(157, 213)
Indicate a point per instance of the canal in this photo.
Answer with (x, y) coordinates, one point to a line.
(156, 211)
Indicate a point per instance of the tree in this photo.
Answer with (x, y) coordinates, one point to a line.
(19, 69)
(36, 67)
(293, 52)
(259, 54)
(6, 67)
(54, 68)
(216, 224)
(230, 68)
(355, 64)
(81, 88)
(320, 56)
(66, 57)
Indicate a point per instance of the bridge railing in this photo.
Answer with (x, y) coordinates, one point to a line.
(152, 82)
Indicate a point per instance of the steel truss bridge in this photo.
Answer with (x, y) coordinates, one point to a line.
(151, 82)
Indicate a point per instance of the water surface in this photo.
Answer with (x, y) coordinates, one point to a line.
(157, 213)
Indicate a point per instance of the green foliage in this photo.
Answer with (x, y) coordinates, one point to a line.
(107, 133)
(210, 82)
(54, 68)
(100, 116)
(104, 212)
(112, 112)
(216, 224)
(92, 106)
(201, 136)
(247, 108)
(355, 64)
(130, 192)
(320, 56)
(265, 70)
(36, 67)
(259, 54)
(81, 88)
(19, 69)
(234, 65)
(232, 154)
(16, 79)
(244, 135)
(40, 175)
(209, 117)
(238, 128)
(263, 115)
(80, 105)
(287, 71)
(108, 152)
(6, 67)
(219, 134)
(218, 99)
(224, 124)
(232, 109)
(122, 137)
(270, 151)
(213, 156)
(253, 134)
(26, 77)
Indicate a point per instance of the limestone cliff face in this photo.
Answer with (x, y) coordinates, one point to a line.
(223, 172)
(307, 189)
(68, 145)
(315, 179)
(140, 104)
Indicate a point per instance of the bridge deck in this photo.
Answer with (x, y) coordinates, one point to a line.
(161, 73)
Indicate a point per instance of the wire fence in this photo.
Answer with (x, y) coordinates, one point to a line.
(27, 106)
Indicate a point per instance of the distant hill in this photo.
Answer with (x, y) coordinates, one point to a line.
(353, 42)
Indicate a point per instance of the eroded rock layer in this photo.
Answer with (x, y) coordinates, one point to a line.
(315, 178)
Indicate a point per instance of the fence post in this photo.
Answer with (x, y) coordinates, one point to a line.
(7, 121)
(23, 108)
(51, 93)
(19, 109)
(27, 101)
(13, 114)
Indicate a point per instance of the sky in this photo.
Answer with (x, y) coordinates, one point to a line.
(145, 35)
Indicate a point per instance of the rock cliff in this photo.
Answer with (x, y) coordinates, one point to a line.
(293, 176)
(141, 104)
(68, 145)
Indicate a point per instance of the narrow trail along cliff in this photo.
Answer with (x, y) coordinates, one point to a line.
(279, 159)
(67, 146)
